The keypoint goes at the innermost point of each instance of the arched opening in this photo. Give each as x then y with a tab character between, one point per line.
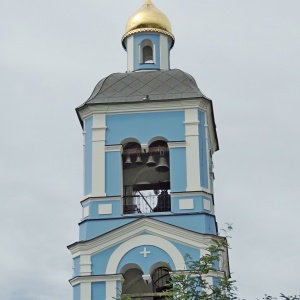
147	52
147	55
137	286
161	281
134	285
146	178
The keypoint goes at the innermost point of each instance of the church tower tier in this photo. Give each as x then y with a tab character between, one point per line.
149	138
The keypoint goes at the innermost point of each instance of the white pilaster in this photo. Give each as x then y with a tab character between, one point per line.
85	265
111	290
130	53
192	149
98	155
85	291
207	155
164	52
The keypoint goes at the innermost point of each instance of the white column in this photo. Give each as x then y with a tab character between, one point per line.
210	188
98	155
164	52
130	53
111	290
192	149
85	291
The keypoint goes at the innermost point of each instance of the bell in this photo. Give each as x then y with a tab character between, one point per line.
151	162
138	160
162	165
128	161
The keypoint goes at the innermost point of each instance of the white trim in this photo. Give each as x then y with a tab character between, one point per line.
149	106
85	265
192	149
202	192
172	145
105	209
130	53
186	204
86	212
85	290
99	199
114	148
96	278
206	204
164	52
141	240
151	226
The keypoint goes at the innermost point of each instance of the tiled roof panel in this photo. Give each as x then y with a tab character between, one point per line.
133	87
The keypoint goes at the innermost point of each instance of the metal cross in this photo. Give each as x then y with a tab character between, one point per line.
145	252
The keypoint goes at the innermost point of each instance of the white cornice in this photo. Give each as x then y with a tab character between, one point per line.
99	199
116	148
192	194
97	278
167	105
136	228
176	145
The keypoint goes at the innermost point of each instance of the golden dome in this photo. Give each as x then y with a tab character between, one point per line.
148	18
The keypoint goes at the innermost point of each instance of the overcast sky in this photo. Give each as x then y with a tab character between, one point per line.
244	55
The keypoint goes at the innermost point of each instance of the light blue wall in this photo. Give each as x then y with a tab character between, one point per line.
92	228
77	266
202	223
76	292
98	290
156	255
205	223
88	124
184	250
203	151
100	260
137	41
113	173
178	169
145	126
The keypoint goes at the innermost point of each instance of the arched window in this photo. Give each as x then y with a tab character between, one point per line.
147	55
147	52
146	178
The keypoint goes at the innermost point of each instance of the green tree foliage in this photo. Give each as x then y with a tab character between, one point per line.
193	284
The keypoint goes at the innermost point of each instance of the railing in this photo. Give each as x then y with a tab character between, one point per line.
142	202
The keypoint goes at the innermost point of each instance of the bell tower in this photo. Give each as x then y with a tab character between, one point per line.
149	138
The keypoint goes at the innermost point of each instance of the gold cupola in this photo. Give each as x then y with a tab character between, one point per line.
148	19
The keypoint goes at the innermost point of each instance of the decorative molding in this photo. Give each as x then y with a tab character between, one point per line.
114	148
172	145
149	106
192	193
186	203
86	211
99	199
95	278
105	209
206	204
133	229
141	240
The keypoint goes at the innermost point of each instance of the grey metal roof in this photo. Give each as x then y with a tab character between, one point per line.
135	86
